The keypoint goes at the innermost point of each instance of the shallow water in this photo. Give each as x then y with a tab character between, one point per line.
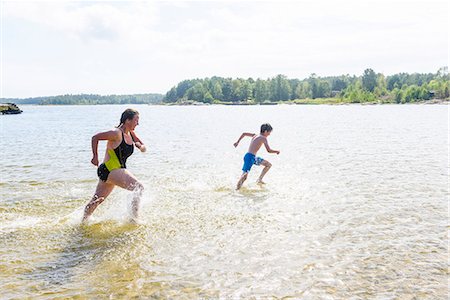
355	206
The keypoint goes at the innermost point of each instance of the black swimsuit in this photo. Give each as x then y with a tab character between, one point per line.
117	159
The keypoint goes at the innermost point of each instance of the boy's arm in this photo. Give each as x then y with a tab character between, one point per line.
242	136
266	144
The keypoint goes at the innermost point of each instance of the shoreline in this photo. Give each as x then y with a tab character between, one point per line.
328	101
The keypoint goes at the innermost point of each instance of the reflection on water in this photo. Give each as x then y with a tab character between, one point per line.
354	206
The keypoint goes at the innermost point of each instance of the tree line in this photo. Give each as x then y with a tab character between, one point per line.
89	99
368	87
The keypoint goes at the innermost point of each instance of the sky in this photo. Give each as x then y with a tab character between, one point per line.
129	47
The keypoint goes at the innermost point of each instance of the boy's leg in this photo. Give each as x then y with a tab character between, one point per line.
241	180
267	166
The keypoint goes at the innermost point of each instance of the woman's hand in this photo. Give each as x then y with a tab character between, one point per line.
94	160
141	146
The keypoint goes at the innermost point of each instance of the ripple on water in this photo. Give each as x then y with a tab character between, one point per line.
348	212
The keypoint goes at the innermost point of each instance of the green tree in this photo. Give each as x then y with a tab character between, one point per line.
397	95
303	90
280	88
197	92
369	80
237	94
227	90
247	89
216	91
338	84
323	89
171	96
313	84
261	91
381	87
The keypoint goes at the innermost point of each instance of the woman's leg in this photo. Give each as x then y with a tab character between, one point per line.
102	191
126	180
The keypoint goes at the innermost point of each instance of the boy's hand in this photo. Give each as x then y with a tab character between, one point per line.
235	144
278	152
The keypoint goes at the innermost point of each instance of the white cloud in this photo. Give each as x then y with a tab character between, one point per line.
96	20
127	47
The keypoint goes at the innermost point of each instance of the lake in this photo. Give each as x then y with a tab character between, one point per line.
354	207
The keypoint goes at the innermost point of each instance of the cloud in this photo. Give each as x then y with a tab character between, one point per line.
87	21
126	47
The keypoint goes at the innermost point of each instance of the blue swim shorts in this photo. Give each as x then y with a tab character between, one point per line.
249	161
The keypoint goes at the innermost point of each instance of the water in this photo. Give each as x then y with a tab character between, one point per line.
355	206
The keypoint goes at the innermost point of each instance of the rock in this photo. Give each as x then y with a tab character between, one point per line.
9	109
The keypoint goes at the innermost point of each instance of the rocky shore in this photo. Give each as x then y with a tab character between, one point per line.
9	109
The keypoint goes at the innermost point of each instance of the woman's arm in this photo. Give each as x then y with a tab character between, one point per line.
107	135
137	141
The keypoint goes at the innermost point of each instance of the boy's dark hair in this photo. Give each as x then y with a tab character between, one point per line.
266	127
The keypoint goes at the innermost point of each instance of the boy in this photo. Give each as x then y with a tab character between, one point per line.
250	158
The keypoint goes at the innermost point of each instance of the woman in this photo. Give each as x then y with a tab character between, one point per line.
113	170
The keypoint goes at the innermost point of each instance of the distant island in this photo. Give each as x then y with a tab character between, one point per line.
89	99
368	88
